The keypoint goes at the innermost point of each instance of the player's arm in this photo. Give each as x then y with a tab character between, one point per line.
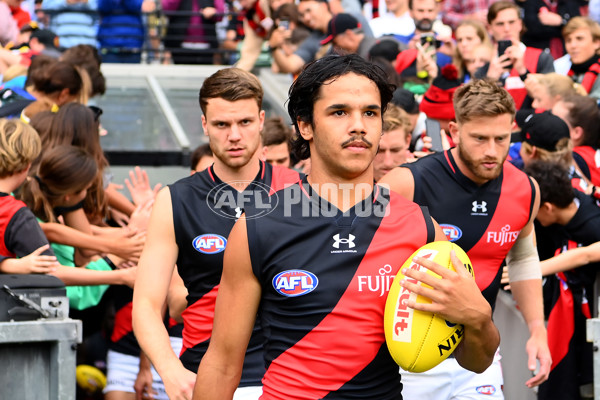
571	259
525	279
457	298
177	297
235	311
154	274
401	181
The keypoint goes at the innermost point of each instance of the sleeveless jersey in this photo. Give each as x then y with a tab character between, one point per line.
588	160
325	277
204	211
484	221
122	338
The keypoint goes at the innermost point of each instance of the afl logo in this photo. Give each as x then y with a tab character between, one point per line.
295	282
209	243
487	390
453	233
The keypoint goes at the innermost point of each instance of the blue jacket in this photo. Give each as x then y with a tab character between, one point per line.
121	24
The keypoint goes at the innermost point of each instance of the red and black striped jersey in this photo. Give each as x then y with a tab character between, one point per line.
325	275
484	220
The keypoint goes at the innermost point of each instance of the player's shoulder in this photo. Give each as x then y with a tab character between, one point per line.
279	177
515	175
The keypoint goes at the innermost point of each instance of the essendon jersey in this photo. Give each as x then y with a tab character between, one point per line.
325	276
484	220
204	211
588	160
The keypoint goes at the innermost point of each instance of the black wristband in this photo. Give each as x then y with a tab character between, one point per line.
524	76
109	262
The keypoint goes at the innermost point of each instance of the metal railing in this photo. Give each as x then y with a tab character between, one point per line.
183	36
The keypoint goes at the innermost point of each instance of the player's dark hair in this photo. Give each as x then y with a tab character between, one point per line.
306	90
553	179
201	151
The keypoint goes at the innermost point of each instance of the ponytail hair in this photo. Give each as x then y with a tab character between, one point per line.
56	77
62	170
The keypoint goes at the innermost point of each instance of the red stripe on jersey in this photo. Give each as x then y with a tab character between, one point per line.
589	155
511	215
353	330
123	324
282	177
198	320
561	324
448	160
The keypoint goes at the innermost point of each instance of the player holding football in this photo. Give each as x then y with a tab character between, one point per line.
303	262
487	206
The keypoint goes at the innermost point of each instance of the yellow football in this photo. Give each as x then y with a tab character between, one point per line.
418	340
90	378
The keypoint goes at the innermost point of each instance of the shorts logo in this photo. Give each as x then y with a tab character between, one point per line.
347	241
486	389
295	282
452	232
209	243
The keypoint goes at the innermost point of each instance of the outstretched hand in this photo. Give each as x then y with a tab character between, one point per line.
139	186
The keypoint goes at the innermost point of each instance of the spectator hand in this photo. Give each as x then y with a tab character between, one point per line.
209	12
426	62
498	66
139	186
532	84
148	6
138	222
33	263
549	18
516	57
129	246
117	216
504	279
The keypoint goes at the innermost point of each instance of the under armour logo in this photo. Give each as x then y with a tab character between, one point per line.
349	241
481	207
238	212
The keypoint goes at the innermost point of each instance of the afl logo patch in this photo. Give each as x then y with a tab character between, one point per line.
487	390
209	243
295	282
453	233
